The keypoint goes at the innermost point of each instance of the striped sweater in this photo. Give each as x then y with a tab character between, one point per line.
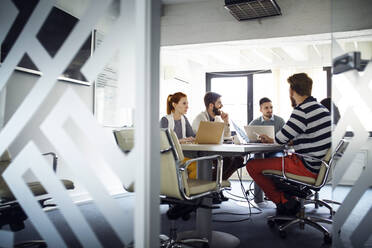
310	129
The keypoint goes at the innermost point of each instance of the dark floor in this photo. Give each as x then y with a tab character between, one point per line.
251	229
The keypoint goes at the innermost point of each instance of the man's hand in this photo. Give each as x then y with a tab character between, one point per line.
225	117
266	139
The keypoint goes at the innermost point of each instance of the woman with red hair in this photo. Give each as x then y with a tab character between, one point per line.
177	106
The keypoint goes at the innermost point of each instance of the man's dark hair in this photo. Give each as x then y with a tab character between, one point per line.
301	83
210	97
263	100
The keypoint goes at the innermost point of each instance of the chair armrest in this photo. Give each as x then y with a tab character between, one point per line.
305	156
212	157
55	159
188	162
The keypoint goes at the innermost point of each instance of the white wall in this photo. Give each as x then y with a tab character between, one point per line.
193	85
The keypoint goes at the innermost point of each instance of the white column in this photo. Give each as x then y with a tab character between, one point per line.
147	184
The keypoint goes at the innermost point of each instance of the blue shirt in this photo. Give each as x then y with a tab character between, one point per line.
275	121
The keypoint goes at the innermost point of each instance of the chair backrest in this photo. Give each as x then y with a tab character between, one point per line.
180	159
171	157
125	139
170	177
177	146
5	160
5	157
325	174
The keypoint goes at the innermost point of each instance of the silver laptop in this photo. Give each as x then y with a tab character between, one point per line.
254	132
240	133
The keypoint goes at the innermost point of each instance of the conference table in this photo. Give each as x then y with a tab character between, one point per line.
204	215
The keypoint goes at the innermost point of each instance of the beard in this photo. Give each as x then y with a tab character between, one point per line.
216	111
293	102
268	116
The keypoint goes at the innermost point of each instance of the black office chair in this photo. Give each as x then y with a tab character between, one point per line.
304	188
11	213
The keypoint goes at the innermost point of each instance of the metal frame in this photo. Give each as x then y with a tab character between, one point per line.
180	168
327	165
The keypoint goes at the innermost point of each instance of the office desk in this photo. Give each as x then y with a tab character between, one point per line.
230	149
204	216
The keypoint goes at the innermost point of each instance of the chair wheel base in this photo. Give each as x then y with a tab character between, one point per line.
186	217
271	223
283	234
327	239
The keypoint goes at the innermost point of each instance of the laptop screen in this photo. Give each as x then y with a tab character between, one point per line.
209	132
240	132
254	131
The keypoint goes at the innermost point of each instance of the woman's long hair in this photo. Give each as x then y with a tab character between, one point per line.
175	98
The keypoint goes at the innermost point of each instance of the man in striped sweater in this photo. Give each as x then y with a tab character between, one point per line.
309	130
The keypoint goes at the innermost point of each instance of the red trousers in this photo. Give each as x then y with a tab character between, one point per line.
292	164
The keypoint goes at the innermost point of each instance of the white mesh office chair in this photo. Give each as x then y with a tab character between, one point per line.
303	188
326	202
125	139
183	194
180	192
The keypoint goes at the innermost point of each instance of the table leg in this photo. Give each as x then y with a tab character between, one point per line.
258	193
204	216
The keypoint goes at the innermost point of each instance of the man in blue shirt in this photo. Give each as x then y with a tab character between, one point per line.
267	118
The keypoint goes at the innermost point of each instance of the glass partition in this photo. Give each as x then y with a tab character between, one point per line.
47	117
351	93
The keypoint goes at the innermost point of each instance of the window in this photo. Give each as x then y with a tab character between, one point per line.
264	86
234	97
241	91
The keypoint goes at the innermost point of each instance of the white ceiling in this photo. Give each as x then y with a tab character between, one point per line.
302	51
